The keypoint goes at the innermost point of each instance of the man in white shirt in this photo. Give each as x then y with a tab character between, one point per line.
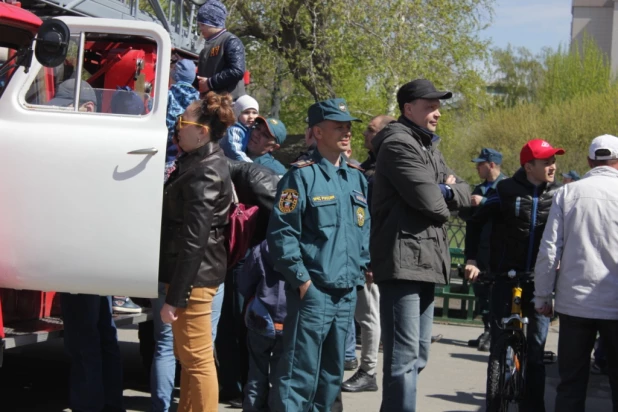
581	237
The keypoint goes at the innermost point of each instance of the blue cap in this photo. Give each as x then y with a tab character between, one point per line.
489	155
331	109
213	13
572	175
126	101
184	71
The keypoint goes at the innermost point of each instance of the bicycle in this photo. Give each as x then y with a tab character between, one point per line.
506	374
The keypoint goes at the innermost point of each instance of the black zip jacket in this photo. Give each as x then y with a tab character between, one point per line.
519	211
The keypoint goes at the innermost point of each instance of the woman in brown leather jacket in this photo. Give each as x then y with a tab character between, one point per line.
196	204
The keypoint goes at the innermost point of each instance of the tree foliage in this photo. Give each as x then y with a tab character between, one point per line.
362	50
517	76
581	70
573	100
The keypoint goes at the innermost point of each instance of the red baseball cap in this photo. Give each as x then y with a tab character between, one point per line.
537	149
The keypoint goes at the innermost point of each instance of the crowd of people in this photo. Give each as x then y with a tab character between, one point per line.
337	242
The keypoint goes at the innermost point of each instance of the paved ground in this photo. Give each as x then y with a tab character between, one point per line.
34	379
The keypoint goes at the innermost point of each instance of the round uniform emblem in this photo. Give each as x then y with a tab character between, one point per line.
288	200
360	216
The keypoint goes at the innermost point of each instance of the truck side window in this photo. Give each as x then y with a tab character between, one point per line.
117	74
47	80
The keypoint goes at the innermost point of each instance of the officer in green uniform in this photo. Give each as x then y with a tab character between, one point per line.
319	236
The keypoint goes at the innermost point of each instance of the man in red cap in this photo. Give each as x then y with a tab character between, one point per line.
519	210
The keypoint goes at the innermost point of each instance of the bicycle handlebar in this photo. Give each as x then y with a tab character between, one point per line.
511	276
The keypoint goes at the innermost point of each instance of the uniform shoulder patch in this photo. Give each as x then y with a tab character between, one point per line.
353	166
303	163
288	200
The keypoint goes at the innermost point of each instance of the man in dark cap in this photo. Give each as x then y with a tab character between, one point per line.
414	193
266	137
221	67
488	166
319	231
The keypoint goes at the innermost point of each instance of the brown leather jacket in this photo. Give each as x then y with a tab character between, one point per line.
196	204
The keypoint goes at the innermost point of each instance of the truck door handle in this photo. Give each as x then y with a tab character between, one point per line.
148	151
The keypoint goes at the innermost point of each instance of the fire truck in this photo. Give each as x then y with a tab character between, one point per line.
81	193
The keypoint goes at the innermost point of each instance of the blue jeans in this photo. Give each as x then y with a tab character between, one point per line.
264	354
406	317
91	341
163	369
350	343
538	327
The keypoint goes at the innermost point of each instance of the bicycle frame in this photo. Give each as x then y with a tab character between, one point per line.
513	378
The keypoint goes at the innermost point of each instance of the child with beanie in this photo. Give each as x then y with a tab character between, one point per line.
180	95
234	143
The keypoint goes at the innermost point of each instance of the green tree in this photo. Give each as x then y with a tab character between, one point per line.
581	70
407	39
518	75
393	41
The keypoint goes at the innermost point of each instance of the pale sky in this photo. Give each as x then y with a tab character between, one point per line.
533	24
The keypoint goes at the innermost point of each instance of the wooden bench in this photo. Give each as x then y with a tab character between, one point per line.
463	291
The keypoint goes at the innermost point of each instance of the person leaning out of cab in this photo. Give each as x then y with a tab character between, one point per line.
196	203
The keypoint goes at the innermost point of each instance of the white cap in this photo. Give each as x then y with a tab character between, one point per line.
608	143
243	103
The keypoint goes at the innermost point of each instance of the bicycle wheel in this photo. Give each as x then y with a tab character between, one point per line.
505	375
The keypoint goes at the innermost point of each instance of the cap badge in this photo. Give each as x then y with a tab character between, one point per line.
342	107
544	144
273	121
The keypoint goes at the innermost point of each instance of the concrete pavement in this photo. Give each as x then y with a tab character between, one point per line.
35	378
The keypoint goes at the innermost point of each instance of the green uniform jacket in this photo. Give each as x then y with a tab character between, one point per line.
319	227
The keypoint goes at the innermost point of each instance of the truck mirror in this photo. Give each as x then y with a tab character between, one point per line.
52	43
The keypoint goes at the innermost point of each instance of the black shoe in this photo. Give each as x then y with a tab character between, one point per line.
361	381
597	369
474	343
436	338
235	403
351	364
485	343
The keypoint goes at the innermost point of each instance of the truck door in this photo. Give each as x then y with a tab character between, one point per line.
81	192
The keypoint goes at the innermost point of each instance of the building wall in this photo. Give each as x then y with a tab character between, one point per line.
599	19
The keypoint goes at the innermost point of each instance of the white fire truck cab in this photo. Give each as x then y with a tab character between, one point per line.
80	196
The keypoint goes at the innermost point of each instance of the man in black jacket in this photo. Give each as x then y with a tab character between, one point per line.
519	211
488	166
414	192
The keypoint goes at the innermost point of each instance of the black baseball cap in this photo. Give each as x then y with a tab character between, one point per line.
419	89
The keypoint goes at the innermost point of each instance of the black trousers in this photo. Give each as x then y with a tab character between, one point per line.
575	343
